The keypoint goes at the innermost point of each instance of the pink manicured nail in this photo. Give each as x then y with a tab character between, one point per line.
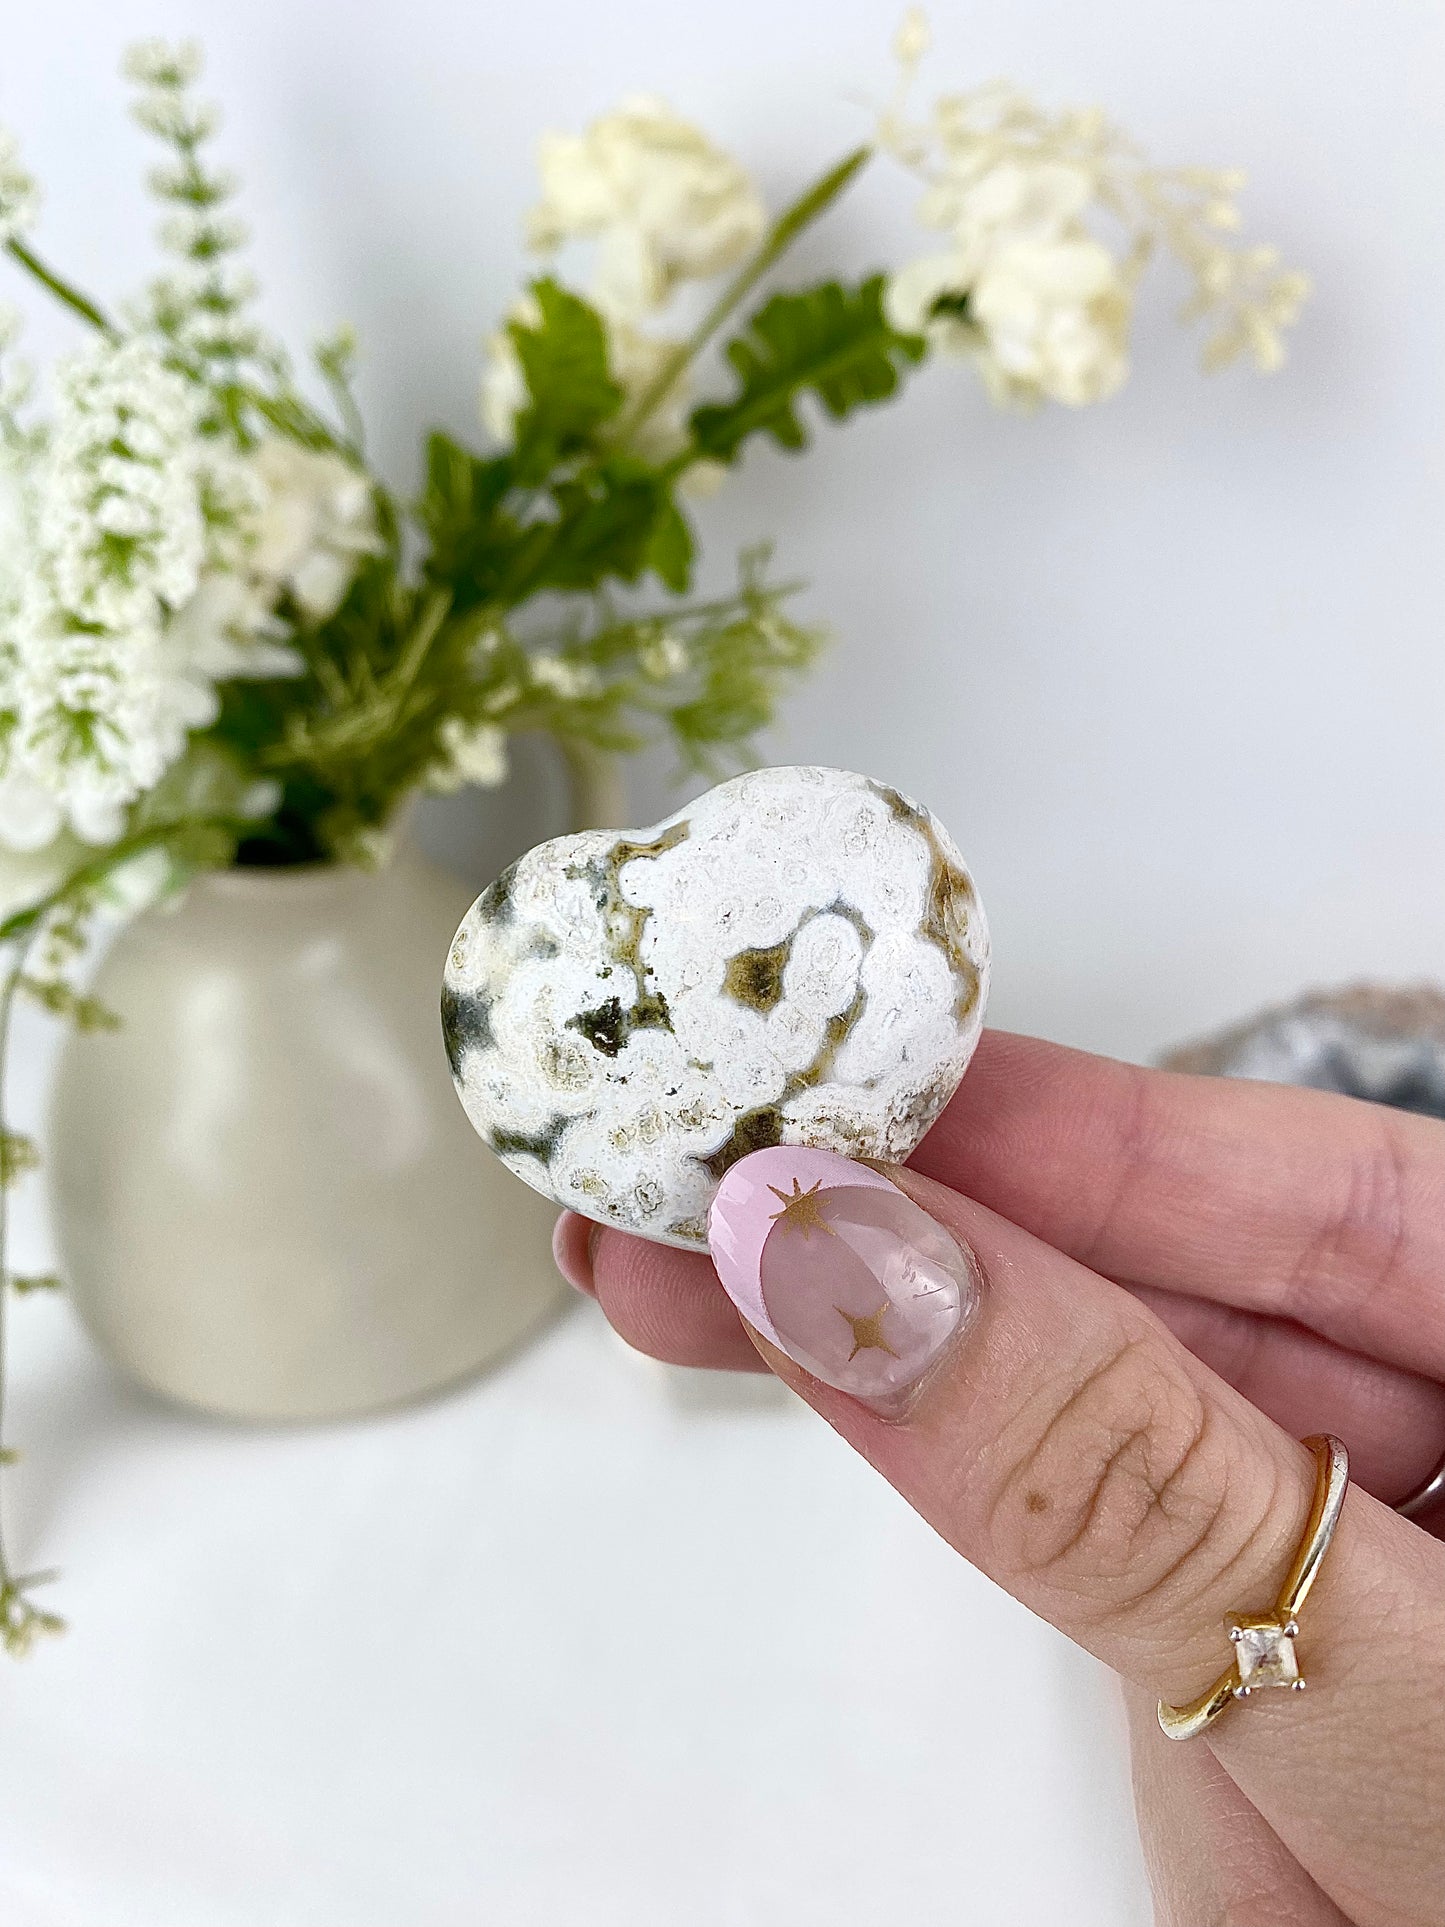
839	1269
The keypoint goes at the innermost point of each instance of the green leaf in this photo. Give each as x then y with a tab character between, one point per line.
830	341
36	1281
460	509
18	1154
607	520
564	363
63	1000
670	548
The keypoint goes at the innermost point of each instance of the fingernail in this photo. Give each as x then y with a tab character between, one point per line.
572	1251
832	1263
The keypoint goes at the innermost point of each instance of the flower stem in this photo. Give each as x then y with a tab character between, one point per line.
20	1619
21	922
286	410
815	201
62	290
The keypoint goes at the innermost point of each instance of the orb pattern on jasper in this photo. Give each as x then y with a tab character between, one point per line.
797	957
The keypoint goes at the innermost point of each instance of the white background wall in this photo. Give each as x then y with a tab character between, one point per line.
1172	669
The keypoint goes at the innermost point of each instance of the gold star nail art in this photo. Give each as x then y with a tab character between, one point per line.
868	1332
803	1210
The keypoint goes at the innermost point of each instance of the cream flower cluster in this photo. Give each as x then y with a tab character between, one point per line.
1025	290
475	753
664	206
1050	219
144	562
298	521
96	703
147	552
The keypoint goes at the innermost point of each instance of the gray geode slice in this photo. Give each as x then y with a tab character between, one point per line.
1366	1040
798	957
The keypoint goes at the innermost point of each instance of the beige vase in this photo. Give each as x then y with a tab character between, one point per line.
268	1200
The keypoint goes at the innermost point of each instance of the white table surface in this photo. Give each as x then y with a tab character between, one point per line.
588	1642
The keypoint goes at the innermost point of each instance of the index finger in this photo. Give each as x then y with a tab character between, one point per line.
1327	1210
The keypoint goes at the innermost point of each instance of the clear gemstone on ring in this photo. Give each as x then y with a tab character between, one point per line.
1264	1654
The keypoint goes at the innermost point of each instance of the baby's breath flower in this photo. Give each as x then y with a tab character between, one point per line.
282	522
19	192
317	519
199	306
504	697
569	680
174	118
200	232
913	38
162	63
120	523
1040	305
662	656
1029	285
474	753
663	203
16	382
97	699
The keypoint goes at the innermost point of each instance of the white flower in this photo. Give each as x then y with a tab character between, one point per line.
283	521
913	38
227	630
662	656
663	203
505	697
928	297
160	63
1028	284
19	193
317	519
504	385
569	680
1040	305
108	537
475	753
634	361
120	525
1055	320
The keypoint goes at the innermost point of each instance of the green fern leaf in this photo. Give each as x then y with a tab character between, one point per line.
830	341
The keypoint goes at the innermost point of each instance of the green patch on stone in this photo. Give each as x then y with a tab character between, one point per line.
948	904
466	1024
756	1130
541	1145
755	977
608	1026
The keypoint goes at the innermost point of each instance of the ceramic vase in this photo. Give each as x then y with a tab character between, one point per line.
268	1201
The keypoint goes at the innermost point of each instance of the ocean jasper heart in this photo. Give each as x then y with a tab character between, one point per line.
798	957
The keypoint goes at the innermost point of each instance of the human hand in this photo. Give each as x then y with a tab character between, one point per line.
1157	1284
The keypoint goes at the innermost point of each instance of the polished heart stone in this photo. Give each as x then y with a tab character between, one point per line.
797	957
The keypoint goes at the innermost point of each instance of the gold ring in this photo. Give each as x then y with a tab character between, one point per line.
1425	1497
1264	1653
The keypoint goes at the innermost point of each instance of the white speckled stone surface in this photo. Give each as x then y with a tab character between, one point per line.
797	957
